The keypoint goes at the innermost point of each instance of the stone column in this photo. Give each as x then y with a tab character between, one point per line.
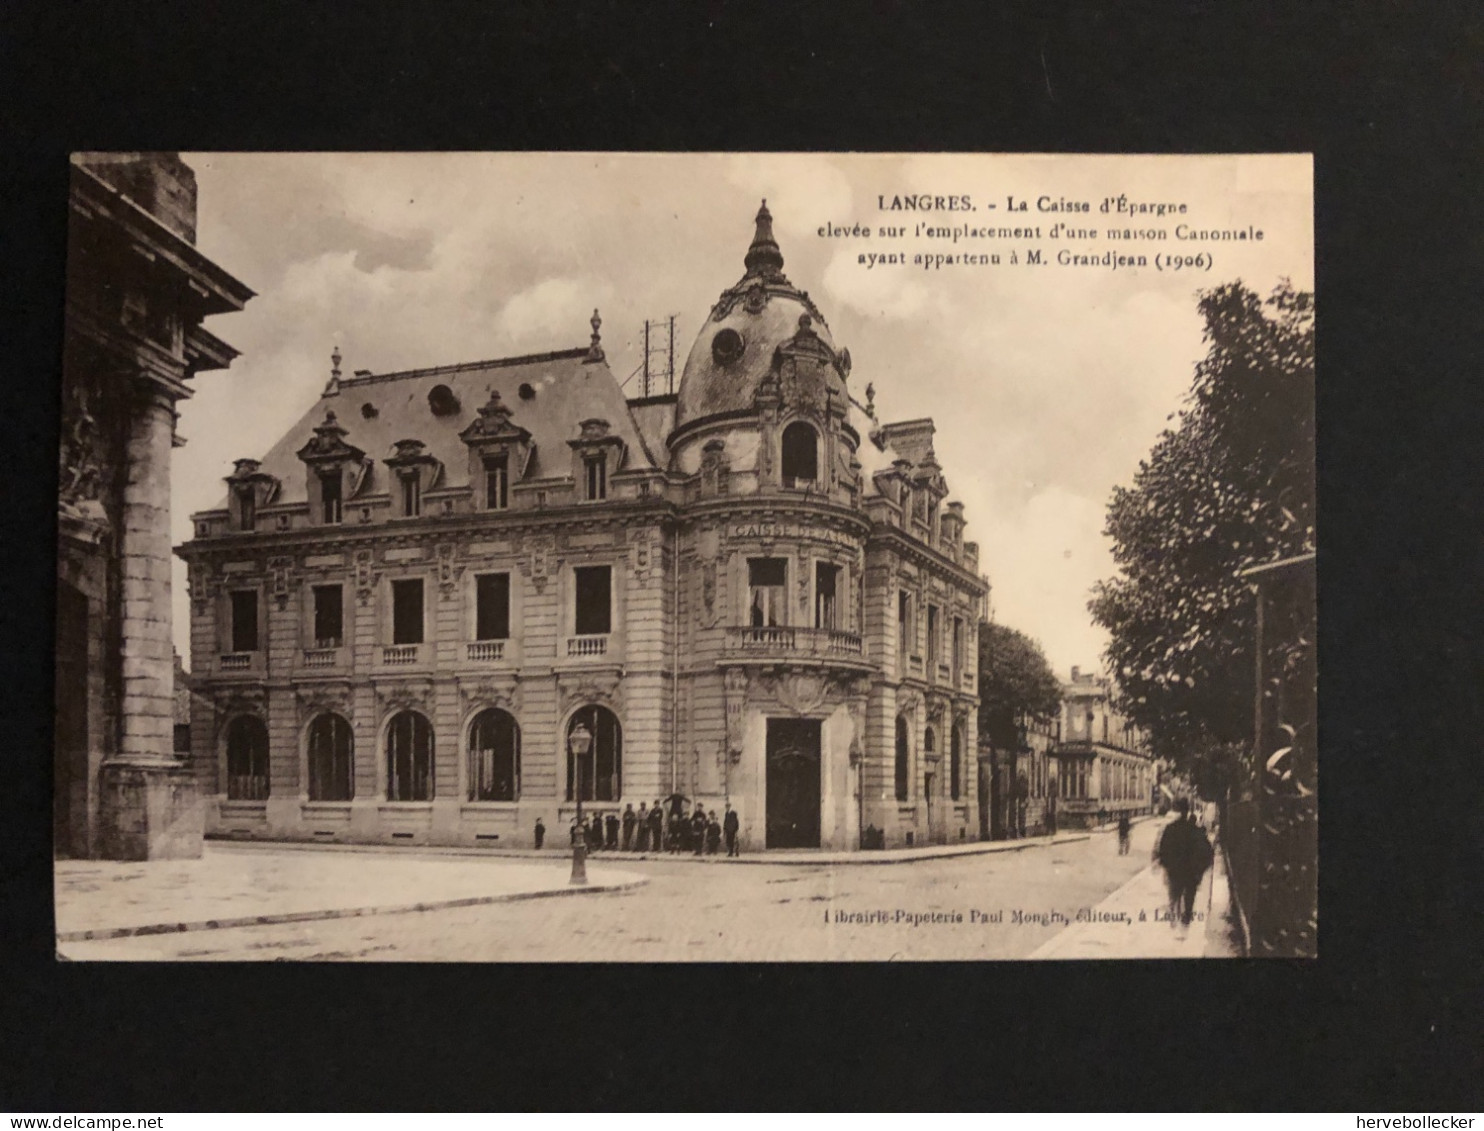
151	806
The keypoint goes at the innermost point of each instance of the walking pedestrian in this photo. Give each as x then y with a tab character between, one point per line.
540	833
729	825
629	821
611	823
1184	853
641	829
595	833
698	830
713	834
1124	829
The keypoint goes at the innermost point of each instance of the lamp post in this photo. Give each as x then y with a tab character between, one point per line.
579	742
1053	771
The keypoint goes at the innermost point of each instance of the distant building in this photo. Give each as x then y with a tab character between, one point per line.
1102	759
137	292
452	600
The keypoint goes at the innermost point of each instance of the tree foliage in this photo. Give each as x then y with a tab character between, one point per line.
1231	486
1015	682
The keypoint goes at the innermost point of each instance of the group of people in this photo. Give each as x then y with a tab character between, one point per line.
656	829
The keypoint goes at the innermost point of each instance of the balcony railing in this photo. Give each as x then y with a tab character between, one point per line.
236	661
587	646
320	657
784	640
395	655
486	650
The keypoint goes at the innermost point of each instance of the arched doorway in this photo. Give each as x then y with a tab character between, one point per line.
247	759
331	759
409	758
600	770
494	756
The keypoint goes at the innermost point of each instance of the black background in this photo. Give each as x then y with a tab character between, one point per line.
1386	97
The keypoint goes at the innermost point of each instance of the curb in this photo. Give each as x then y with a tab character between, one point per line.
99	933
868	856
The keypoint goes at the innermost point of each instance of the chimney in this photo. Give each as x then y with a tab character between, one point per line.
1075	672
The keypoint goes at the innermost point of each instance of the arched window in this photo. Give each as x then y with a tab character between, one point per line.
903	773
800	452
330	759
494	756
600	770
955	767
247	759
409	758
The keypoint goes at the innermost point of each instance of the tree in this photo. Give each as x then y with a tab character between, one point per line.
1015	683
1230	487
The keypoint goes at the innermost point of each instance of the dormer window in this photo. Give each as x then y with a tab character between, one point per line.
330	493
412	496
800	454
497	482
596	474
249	489
247	508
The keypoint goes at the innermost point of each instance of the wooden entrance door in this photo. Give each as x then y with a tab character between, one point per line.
793	783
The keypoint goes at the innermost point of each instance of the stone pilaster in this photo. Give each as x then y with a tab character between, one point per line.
151	806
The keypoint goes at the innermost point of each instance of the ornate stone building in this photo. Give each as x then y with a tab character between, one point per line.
137	292
1103	760
749	591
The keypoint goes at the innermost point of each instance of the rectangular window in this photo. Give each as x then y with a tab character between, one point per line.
765	584
934	646
594	611
329	626
958	646
497	483
407	611
244	620
904	621
492	606
412	496
329	493
247	508
826	581
597	478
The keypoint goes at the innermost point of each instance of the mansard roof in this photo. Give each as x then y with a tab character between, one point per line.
562	389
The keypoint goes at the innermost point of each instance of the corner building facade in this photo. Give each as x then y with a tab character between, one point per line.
748	592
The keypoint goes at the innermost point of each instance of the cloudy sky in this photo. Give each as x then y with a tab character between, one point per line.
1048	384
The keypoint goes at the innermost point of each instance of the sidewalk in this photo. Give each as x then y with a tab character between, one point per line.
1115	929
228	887
812	857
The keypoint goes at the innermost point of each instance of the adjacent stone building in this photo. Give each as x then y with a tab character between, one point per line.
137	292
1103	762
451	600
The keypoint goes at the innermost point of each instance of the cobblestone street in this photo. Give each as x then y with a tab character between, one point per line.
709	911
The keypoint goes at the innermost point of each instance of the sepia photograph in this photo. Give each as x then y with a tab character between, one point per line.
686	557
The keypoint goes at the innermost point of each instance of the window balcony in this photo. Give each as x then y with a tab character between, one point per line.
784	642
945	674
400	655
485	651
321	657
587	647
236	662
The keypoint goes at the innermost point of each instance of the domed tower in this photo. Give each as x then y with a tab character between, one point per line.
765	378
771	541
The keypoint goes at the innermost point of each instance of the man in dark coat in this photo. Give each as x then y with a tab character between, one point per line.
1124	828
698	830
629	821
540	833
729	825
713	834
1184	853
641	829
612	823
657	827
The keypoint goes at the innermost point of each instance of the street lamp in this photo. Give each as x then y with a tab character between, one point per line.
579	742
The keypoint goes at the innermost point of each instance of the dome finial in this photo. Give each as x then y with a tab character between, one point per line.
595	349
335	362
764	257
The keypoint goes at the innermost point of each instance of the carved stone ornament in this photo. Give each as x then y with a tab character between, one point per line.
448	572
643	552
909	701
708	593
80	463
802	692
577	688
405	695
503	692
283	581
324	698
365	577
241	701
735	681
542	550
